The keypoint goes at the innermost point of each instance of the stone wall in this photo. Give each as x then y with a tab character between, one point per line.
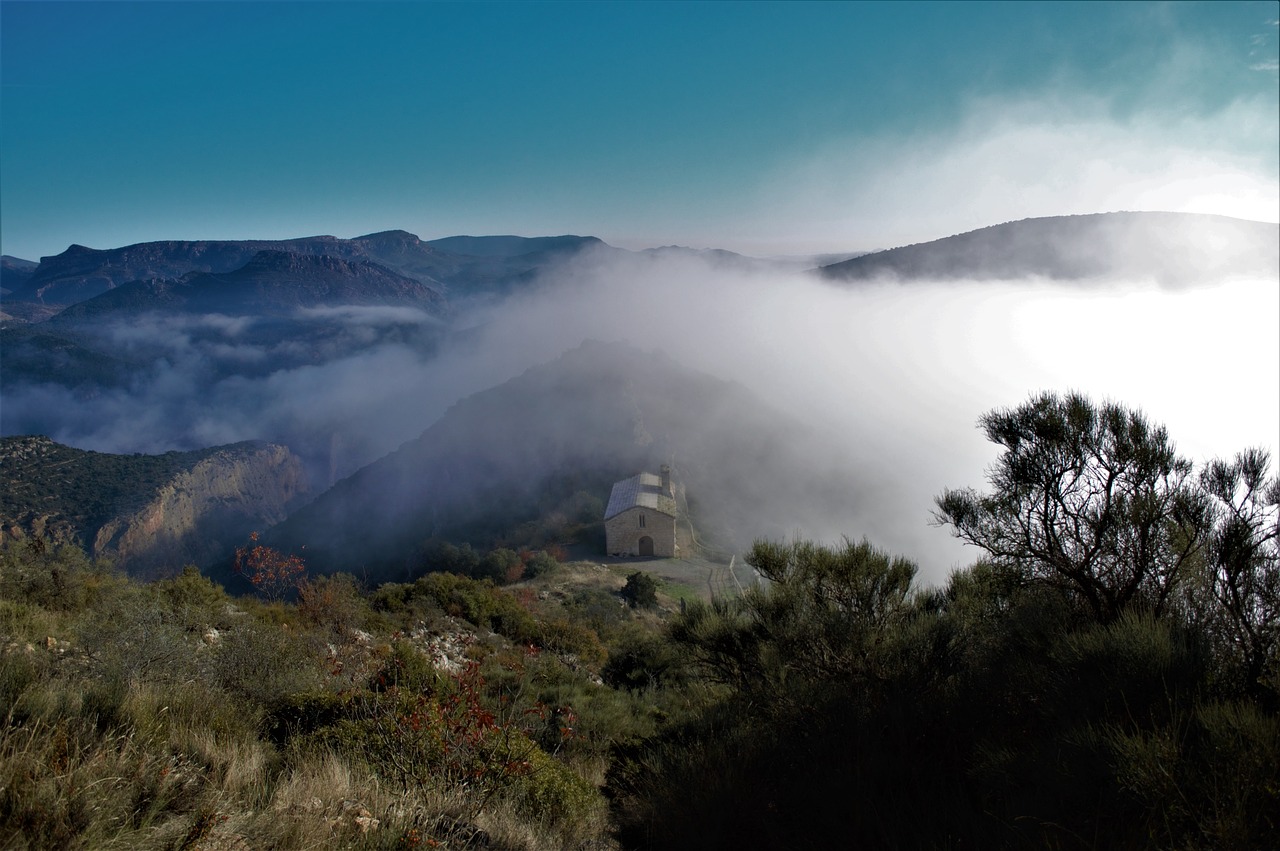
623	532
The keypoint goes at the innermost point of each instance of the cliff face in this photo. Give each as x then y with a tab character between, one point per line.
151	514
204	512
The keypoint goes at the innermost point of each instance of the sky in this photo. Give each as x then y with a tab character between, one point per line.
765	128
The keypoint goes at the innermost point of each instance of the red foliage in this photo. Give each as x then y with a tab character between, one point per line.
270	571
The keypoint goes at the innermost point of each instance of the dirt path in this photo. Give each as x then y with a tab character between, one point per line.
705	577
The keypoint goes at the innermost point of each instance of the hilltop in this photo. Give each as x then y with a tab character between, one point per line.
1173	249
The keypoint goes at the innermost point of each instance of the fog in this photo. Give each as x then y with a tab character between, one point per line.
1058	153
891	376
896	376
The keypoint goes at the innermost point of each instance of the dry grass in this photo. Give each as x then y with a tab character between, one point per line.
133	729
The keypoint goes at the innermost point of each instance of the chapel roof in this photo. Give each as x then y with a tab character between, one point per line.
643	490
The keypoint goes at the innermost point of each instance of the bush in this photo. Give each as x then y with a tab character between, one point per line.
541	564
262	663
555	796
333	602
501	565
638	660
641	590
194	600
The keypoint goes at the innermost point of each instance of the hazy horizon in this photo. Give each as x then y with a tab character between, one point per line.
762	128
767	129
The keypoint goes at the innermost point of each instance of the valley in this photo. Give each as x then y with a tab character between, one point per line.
302	543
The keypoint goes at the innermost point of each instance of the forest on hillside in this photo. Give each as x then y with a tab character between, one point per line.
1105	675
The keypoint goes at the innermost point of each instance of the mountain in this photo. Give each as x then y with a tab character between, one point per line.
14	272
293	308
1173	249
145	512
559	435
461	265
514	246
80	273
271	283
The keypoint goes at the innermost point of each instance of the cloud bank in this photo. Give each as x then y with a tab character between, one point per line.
893	377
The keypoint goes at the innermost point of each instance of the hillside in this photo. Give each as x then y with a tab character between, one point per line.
146	512
553	440
1172	249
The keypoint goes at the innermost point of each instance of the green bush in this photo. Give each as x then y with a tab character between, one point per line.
639	659
541	564
261	663
641	590
555	796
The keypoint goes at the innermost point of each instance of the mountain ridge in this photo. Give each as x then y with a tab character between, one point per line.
80	273
270	282
1174	249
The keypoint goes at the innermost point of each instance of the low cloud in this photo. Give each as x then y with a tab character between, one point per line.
892	377
896	376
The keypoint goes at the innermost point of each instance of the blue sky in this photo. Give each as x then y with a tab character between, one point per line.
759	127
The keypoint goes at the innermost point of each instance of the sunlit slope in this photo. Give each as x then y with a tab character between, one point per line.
147	513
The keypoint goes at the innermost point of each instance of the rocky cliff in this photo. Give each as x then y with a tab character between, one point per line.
151	514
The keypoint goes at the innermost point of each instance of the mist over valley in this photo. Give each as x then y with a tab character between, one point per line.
483	373
629	426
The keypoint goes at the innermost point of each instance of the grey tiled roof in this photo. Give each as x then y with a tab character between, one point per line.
643	489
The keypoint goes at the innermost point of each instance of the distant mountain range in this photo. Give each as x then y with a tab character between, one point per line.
271	283
107	331
1172	249
455	265
63	319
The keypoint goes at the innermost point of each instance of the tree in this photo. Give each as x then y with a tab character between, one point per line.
1244	562
1089	498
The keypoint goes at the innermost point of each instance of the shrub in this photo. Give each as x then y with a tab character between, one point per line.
554	795
639	659
262	663
541	563
501	565
641	590
332	601
194	600
270	571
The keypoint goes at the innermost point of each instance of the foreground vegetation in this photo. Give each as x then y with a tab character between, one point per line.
1107	675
